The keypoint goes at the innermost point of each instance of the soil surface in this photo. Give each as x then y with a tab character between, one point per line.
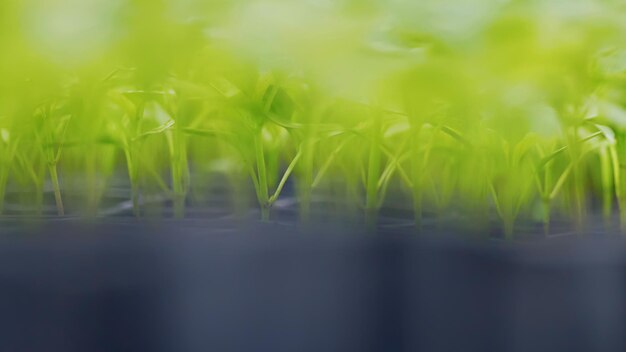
221	280
222	284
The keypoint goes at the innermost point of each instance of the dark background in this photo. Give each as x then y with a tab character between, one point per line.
219	286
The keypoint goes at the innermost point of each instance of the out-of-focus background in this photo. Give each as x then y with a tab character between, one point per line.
349	47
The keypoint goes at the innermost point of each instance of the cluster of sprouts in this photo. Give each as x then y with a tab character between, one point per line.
517	112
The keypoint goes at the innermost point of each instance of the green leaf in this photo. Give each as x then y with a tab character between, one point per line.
166	126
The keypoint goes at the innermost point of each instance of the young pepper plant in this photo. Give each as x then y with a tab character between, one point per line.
8	150
30	170
550	180
420	137
263	101
611	124
132	129
86	146
53	120
251	131
380	160
512	180
181	112
375	173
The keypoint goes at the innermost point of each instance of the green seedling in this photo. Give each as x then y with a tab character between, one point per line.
134	128
511	185
257	119
550	180
8	149
53	120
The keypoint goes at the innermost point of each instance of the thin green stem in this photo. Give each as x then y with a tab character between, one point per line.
306	183
263	191
607	182
547	197
417	167
133	177
179	170
547	215
577	181
322	171
130	152
505	212
92	182
373	174
286	175
4	175
57	189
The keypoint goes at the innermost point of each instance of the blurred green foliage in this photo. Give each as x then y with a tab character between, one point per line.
513	108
